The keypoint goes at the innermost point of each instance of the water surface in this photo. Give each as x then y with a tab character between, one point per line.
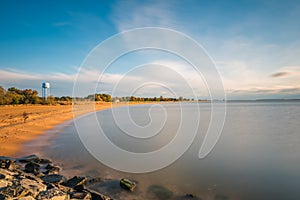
257	156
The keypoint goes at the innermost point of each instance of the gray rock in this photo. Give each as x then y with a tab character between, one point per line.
53	178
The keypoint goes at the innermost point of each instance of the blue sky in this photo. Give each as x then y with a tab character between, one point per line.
255	45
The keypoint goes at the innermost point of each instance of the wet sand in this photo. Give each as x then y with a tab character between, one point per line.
14	131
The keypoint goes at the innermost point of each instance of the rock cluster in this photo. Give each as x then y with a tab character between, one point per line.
34	178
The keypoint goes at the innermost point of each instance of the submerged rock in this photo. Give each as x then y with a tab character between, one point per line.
127	184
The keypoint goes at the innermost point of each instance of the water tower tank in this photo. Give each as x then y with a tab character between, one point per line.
46	85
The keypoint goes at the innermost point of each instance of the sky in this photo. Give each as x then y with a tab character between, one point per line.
254	46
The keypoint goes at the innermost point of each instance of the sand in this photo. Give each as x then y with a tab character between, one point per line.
14	131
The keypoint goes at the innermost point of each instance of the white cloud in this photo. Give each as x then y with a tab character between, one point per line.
137	15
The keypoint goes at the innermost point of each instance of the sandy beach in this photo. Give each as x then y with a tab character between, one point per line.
14	131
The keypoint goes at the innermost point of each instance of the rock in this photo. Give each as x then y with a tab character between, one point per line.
6	164
94	180
6	174
30	158
4	197
5	183
81	195
98	196
23	175
52	169
189	196
50	186
32	167
127	184
16	191
33	186
75	182
6	158
53	178
44	161
53	194
65	188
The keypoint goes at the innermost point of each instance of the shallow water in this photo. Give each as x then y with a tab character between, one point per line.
256	157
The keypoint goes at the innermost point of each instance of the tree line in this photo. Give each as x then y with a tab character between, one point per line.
14	96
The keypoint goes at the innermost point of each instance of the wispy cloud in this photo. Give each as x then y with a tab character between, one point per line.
137	15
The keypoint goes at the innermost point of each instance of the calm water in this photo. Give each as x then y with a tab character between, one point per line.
256	157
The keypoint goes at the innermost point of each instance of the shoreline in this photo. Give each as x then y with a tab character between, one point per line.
14	132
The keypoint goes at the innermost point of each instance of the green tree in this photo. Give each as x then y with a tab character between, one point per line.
2	96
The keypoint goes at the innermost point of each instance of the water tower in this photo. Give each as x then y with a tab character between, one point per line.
45	87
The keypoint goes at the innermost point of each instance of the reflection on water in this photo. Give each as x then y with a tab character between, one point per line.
257	156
